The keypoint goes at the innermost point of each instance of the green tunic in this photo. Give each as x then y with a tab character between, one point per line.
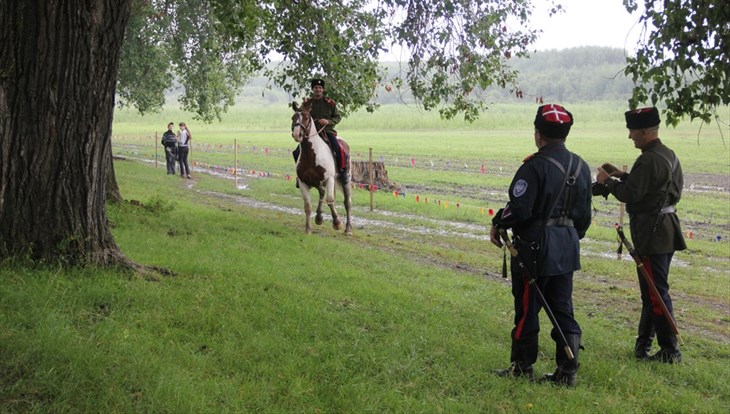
650	191
324	108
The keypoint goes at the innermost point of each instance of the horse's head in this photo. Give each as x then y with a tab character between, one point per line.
301	123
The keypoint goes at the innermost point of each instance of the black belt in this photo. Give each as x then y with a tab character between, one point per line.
554	222
664	210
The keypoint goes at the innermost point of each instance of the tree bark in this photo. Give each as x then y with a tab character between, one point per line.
113	195
58	71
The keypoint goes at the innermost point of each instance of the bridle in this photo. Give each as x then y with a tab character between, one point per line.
304	128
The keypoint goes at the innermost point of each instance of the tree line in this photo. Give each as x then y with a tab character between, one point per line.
581	74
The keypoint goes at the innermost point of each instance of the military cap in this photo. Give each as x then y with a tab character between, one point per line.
642	118
316	82
553	121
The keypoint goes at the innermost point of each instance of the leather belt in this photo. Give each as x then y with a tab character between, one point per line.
664	210
555	222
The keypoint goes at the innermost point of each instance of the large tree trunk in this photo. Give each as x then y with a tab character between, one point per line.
58	71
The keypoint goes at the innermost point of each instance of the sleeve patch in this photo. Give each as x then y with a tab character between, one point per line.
520	188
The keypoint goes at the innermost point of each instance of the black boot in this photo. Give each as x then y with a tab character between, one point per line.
567	369
524	354
297	183
344	176
645	334
669	352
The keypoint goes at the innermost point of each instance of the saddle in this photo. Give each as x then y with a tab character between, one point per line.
342	151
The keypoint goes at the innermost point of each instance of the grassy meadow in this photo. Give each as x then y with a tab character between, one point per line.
410	314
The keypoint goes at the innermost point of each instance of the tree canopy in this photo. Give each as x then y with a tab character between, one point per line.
453	49
683	57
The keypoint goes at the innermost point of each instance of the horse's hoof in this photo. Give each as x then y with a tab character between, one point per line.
318	220
348	232
337	225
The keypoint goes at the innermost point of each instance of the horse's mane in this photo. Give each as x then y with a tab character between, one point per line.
295	106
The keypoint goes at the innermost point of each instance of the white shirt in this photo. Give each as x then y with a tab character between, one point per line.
183	138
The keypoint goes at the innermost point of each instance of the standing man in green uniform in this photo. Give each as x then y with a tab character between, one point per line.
651	192
325	114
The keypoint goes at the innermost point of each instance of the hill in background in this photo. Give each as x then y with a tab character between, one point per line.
572	75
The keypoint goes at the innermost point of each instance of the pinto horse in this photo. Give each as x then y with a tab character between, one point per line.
316	169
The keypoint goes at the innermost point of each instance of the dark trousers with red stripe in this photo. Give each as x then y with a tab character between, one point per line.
558	292
657	266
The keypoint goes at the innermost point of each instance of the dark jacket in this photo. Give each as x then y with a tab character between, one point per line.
169	139
533	193
654	183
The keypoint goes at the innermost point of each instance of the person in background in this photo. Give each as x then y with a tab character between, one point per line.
549	211
651	191
183	149
169	141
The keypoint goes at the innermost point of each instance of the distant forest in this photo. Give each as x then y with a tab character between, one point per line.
568	76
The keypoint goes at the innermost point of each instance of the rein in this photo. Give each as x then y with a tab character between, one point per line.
306	127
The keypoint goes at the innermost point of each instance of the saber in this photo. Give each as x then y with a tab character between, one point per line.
645	275
513	252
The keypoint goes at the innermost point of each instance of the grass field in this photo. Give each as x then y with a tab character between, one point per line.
410	314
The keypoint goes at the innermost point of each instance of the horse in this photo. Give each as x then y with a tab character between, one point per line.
316	169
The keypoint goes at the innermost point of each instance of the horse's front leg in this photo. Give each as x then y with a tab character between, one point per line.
330	200
318	219
346	190
307	207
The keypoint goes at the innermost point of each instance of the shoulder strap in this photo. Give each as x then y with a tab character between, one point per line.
568	182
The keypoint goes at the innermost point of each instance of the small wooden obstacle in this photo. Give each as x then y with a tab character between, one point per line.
360	174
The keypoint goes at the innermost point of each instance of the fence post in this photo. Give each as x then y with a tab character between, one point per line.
370	177
156	151
235	163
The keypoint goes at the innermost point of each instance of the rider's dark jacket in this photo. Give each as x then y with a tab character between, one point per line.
324	108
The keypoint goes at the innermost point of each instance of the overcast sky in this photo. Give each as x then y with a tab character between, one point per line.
583	23
586	23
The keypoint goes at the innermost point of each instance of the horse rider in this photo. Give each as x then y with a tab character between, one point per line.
325	114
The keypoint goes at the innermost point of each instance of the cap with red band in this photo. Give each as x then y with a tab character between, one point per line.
553	121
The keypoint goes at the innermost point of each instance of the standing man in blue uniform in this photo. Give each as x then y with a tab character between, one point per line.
549	211
651	192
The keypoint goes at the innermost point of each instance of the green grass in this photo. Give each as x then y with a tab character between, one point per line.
263	318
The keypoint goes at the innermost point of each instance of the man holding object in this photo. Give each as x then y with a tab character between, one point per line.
651	192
